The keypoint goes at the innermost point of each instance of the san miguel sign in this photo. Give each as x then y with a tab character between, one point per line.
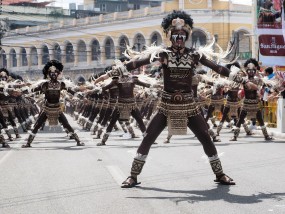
271	45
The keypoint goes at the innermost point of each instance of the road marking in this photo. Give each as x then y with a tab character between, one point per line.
117	174
17	141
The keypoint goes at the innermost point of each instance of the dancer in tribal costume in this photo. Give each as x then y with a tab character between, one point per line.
126	106
112	94
232	105
4	127
177	108
51	87
7	100
250	107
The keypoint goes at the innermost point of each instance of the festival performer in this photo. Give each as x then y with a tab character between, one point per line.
177	108
51	109
232	105
126	106
8	104
250	107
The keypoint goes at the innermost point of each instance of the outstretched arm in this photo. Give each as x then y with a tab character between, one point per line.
234	76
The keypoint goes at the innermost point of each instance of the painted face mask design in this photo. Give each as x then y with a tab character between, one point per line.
53	72
3	76
175	37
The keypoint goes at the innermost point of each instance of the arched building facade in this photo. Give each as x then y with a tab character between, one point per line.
93	43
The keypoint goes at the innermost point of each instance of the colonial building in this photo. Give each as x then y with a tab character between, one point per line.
90	44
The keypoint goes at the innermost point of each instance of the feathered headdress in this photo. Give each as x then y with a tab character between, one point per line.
177	20
251	63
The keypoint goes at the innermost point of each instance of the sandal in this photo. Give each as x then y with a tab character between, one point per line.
215	140
5	145
268	138
228	181
80	144
128	184
26	145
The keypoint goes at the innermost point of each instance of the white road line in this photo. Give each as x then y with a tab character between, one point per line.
17	142
117	174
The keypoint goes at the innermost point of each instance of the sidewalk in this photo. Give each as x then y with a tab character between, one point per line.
272	132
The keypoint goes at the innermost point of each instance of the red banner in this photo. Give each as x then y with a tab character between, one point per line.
271	45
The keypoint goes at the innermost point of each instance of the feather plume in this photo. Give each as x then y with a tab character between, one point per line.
219	56
152	51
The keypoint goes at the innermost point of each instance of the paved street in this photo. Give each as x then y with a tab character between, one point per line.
55	176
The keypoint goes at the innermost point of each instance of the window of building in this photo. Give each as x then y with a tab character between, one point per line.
103	7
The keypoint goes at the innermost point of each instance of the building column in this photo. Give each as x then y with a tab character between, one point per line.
117	52
63	55
102	55
18	61
40	60
89	55
75	51
8	61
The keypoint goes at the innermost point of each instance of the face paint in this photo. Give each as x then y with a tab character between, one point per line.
251	72
53	72
175	37
3	76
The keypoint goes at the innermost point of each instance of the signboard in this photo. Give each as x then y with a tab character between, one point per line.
271	45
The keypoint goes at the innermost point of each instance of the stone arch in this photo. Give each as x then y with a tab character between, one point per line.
199	37
82	51
156	38
95	50
109	48
243	44
57	52
122	44
13	58
69	52
34	56
45	54
139	42
23	57
3	59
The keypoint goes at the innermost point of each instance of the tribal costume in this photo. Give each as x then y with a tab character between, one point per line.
7	101
112	94
232	106
250	107
177	108
51	109
200	103
126	106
